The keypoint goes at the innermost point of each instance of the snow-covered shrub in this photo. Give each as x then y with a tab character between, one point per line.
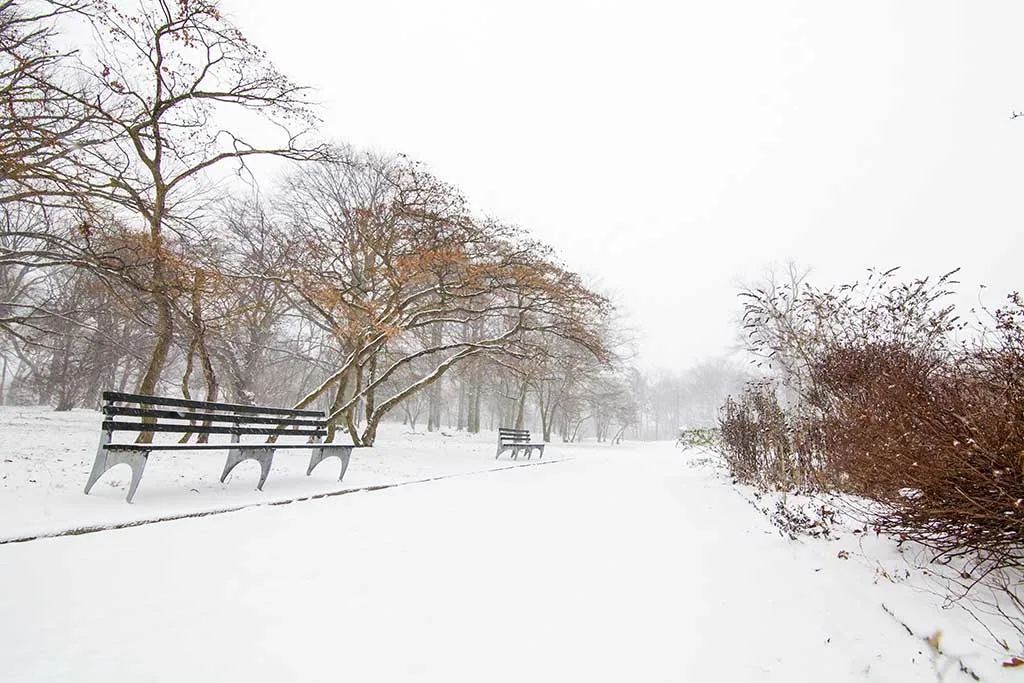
764	444
884	400
704	439
938	440
803	518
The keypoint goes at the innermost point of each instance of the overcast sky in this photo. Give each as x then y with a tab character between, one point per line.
670	149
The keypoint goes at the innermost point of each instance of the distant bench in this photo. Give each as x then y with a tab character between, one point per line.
517	440
165	415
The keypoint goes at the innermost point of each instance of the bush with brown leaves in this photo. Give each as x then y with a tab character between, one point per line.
764	444
886	404
937	441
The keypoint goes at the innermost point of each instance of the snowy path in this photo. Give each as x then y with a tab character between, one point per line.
625	567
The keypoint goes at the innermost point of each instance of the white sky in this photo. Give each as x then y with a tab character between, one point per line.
670	149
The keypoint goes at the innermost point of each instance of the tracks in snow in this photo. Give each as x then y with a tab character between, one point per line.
96	528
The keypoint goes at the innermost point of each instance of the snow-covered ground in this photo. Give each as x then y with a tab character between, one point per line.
634	563
45	458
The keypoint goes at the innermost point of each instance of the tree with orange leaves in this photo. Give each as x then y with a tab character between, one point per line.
390	261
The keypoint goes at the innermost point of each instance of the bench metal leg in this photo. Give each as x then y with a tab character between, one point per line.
263	455
105	460
321	454
516	451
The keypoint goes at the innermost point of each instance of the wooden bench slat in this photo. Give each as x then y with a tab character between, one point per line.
218	447
206	405
111	425
209	417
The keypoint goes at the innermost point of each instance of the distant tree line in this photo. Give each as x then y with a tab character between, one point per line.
144	247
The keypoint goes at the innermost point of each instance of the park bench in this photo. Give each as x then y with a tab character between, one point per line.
136	413
517	440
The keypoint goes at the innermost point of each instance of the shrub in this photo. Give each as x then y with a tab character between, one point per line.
938	442
884	403
763	444
706	439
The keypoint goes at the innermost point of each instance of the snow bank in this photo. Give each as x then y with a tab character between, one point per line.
45	459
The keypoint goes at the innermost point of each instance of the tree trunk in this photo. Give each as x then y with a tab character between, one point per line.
185	379
339	400
158	358
164	330
409	417
212	388
618	435
60	370
434	409
122	385
350	424
370	432
521	407
576	430
350	413
460	420
475	391
546	424
369	404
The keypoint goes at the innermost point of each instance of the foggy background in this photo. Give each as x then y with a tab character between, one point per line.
672	151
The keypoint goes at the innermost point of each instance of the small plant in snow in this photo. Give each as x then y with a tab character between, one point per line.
794	520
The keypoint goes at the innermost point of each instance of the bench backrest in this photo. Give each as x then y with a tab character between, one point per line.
506	435
183	416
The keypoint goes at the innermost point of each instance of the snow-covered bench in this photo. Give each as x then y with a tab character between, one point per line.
517	440
136	413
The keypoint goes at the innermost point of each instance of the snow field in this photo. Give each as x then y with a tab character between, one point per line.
45	458
620	564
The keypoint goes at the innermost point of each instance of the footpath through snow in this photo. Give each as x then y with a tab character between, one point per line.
627	566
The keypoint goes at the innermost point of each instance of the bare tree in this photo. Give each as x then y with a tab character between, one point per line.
163	81
46	126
